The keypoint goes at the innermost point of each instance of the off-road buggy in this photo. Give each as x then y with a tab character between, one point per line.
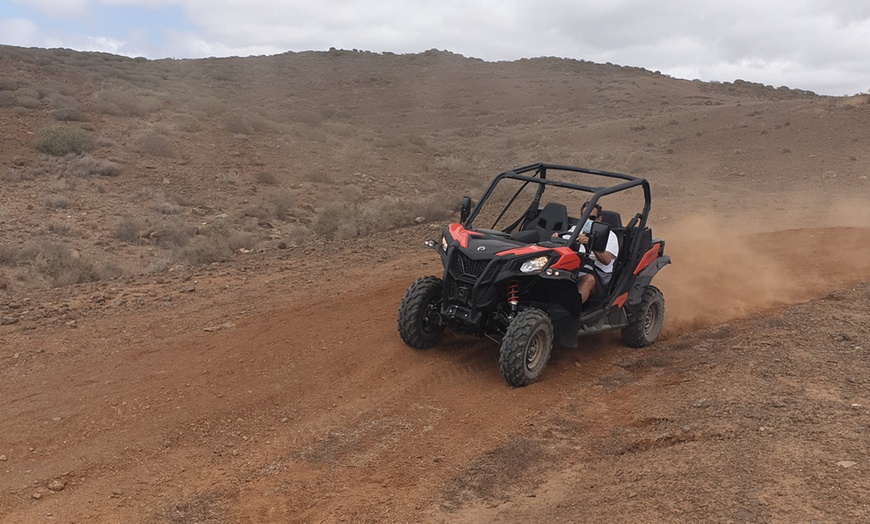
515	282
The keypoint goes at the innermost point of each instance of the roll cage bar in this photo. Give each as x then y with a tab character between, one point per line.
539	177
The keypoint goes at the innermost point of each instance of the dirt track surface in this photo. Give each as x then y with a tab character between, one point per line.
253	400
237	359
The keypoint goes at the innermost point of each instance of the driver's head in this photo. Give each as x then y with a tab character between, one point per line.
595	214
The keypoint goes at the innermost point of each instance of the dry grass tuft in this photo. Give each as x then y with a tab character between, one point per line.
56	202
68	114
63	140
53	264
155	145
117	102
85	166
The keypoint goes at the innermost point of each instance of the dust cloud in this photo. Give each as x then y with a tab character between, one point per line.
724	269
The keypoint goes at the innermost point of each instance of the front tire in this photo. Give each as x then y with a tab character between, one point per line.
420	313
646	323
526	347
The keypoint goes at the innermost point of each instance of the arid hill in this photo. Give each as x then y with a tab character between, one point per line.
201	260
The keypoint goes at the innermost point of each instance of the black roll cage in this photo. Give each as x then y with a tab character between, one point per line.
540	177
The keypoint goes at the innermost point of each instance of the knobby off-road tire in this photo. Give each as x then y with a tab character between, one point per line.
526	347
646	324
419	313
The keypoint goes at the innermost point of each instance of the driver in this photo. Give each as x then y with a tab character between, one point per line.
602	260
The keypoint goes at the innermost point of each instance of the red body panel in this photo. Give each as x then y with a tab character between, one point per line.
460	234
620	300
648	257
527	250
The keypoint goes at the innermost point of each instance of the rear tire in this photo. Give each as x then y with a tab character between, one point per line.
646	323
420	313
526	347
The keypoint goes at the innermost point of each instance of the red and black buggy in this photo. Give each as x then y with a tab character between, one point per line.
507	277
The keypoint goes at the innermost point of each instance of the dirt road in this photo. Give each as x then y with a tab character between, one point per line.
236	395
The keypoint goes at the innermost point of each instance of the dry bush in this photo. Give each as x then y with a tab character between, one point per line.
54	264
59	229
329	219
116	102
164	205
156	145
127	229
56	202
186	123
265	178
68	114
8	84
350	219
7	99
215	243
27	102
84	166
208	106
257	211
297	234
283	201
63	140
174	233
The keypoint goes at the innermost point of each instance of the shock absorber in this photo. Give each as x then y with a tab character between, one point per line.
513	294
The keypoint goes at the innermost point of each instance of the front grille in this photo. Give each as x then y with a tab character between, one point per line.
465	268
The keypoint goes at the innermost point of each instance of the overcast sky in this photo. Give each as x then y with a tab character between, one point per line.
820	45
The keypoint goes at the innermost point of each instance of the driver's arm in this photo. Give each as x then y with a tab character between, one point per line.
603	256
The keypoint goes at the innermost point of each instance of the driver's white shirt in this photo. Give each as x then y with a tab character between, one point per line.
612	248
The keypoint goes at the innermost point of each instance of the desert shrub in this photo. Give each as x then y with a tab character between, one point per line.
8	254
329	219
126	229
68	114
186	123
350	219
55	90
163	205
59	229
7	99
8	84
63	140
55	264
116	102
155	145
256	211
56	202
86	165
283	202
27	102
265	178
215	243
174	233
297	234
209	106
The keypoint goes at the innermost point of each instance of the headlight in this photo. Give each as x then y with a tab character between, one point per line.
444	243
534	265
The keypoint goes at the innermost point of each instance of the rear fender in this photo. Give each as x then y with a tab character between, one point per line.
644	278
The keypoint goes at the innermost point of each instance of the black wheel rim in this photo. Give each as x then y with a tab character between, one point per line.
430	319
535	350
650	319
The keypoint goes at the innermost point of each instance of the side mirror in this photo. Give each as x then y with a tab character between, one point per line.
599	235
464	209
